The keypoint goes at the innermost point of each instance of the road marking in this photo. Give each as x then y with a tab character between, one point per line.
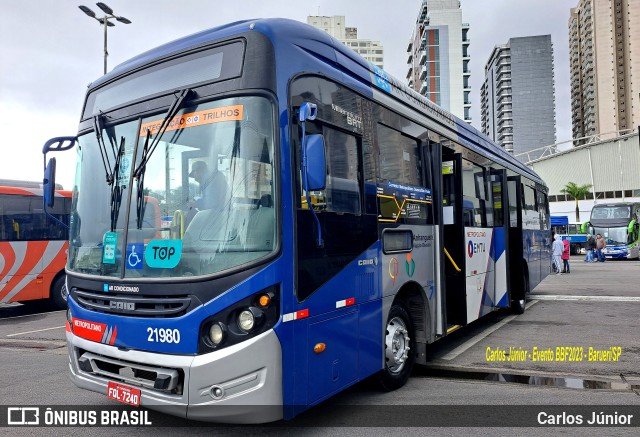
586	298
38	330
471	342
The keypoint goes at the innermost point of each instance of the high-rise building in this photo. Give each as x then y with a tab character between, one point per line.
517	98
372	51
604	53
439	56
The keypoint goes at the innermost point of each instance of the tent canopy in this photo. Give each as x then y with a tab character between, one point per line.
559	220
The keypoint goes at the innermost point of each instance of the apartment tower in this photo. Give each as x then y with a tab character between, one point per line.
372	51
517	97
604	55
438	56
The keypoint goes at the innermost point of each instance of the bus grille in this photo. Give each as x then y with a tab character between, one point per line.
138	306
151	377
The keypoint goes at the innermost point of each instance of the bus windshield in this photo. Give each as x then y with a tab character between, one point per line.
206	203
612	235
610	212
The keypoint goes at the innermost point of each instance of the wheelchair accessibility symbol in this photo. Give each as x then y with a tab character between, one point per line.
135	256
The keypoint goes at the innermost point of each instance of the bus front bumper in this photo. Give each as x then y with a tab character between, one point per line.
238	384
617	254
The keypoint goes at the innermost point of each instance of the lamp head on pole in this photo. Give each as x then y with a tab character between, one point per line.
104	21
109	23
106	9
87	11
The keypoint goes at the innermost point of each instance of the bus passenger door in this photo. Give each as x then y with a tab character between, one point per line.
515	246
500	237
453	256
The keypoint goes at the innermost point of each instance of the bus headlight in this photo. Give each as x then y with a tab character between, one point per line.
246	320
250	318
216	333
241	321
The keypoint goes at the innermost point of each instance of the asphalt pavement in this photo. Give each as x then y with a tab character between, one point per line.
491	362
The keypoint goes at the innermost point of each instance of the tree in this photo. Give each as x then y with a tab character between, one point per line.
577	192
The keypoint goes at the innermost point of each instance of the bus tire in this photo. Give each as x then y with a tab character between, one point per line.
399	349
519	305
59	293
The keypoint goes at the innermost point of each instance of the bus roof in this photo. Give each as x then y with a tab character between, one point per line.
26	191
286	32
25	184
609	205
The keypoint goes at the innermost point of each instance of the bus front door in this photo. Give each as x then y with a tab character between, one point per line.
453	256
517	276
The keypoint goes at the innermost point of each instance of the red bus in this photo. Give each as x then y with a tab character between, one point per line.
33	247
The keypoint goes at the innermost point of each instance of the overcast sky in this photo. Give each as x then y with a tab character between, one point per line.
50	51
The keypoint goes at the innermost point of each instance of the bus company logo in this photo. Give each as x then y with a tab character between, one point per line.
410	265
473	248
120	288
93	331
393	270
476	234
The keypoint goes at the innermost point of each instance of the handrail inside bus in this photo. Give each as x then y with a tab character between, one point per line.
446	252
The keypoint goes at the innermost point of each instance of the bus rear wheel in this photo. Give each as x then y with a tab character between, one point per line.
59	293
399	349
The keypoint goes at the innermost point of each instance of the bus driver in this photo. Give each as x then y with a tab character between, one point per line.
213	186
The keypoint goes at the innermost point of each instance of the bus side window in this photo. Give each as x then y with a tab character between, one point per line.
513	203
342	193
474	195
17	218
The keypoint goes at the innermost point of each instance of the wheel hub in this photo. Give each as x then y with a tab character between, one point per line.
396	345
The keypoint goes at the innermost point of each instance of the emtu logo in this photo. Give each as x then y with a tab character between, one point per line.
475	248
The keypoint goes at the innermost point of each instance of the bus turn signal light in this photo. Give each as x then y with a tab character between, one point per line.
264	300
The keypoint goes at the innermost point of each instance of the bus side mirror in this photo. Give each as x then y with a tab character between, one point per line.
316	164
631	226
49	183
58	144
313	161
584	227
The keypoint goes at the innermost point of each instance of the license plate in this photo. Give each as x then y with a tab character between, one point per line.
123	393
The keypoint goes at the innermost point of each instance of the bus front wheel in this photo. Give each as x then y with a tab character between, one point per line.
399	349
59	293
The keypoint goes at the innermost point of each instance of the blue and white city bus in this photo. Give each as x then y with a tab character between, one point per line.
355	223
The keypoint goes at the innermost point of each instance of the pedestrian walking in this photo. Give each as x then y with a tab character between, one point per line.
591	248
601	244
557	248
566	254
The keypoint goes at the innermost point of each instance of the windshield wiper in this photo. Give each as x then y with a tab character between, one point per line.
140	203
148	150
97	127
116	189
111	173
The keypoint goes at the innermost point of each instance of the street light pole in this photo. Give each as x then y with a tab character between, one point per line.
106	53
105	22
